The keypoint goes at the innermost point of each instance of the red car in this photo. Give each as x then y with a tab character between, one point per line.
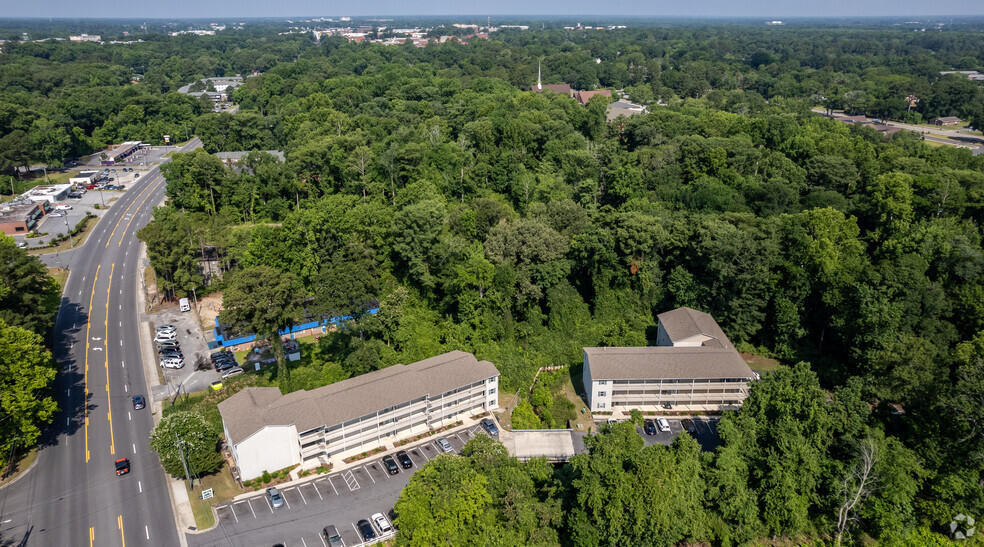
122	466
90	187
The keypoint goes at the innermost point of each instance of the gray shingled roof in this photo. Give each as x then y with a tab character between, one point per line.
254	408
665	362
683	323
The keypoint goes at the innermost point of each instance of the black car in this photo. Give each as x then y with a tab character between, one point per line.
219	355
172	355
404	458
391	466
649	427
138	402
690	426
366	530
229	359
219	367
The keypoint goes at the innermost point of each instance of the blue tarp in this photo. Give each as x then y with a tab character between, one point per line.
220	341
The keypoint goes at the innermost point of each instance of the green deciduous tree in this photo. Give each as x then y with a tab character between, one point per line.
188	433
26	373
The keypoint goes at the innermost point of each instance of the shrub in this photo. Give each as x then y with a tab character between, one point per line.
266	477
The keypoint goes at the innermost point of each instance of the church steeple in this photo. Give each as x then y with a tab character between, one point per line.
539	85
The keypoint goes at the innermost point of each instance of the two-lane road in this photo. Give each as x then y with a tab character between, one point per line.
72	496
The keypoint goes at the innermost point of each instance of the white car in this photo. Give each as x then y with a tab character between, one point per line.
165	327
234	371
663	424
63	207
173	363
166	335
56	214
380	521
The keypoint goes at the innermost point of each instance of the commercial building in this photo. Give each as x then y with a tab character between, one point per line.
624	108
86	178
945	120
86	38
267	431
48	192
21	217
120	153
693	367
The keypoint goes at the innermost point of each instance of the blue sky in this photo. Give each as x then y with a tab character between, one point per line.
294	8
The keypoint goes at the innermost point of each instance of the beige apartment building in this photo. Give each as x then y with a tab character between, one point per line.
693	367
267	431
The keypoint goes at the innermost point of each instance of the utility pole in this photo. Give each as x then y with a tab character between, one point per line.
184	462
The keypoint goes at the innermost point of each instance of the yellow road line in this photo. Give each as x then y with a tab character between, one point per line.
156	186
109	397
92	535
85	402
128	210
119	520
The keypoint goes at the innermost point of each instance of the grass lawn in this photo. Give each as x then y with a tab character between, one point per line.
79	239
18	466
759	363
224	488
60	275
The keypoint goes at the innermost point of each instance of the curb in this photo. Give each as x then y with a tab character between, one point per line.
24	472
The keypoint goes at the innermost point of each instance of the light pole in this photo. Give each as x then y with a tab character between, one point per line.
69	232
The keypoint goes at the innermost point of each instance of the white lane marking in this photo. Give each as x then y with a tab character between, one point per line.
121	306
332	486
121	342
322	540
6	521
139	486
68	421
122	363
147	532
358	534
285	501
318	491
80	293
129	417
121	323
424	453
121	290
134	448
302	495
69	392
368	473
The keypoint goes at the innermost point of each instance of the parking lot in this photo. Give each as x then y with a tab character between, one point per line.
339	498
706	426
193	346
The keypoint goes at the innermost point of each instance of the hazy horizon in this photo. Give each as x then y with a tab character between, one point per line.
771	9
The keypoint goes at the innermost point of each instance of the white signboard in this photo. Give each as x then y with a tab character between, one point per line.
206	494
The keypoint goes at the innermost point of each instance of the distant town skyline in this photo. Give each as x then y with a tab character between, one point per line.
772	9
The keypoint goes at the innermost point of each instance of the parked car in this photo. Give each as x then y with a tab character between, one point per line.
391	466
443	444
220	367
168	344
22	245
75	195
690	426
649	427
366	530
404	458
173	363
122	467
138	402
490	427
136	175
332	536
276	500
56	214
664	424
172	355
63	207
234	371
166	326
166	335
380	521
216	385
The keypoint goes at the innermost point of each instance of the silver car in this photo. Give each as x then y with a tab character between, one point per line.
443	444
276	500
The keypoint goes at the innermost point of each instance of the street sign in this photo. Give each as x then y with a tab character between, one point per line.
206	494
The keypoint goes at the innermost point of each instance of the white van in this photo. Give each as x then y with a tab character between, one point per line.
184	305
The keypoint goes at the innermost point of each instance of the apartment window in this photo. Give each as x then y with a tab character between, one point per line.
602	382
601	405
491	391
601	393
491	380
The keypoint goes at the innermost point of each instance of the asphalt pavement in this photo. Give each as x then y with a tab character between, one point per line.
72	495
339	498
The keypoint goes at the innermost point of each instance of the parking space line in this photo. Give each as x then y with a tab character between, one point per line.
318	491
251	508
268	504
302	495
322	538
304	543
411	459
368	473
285	501
424	454
357	533
332	485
